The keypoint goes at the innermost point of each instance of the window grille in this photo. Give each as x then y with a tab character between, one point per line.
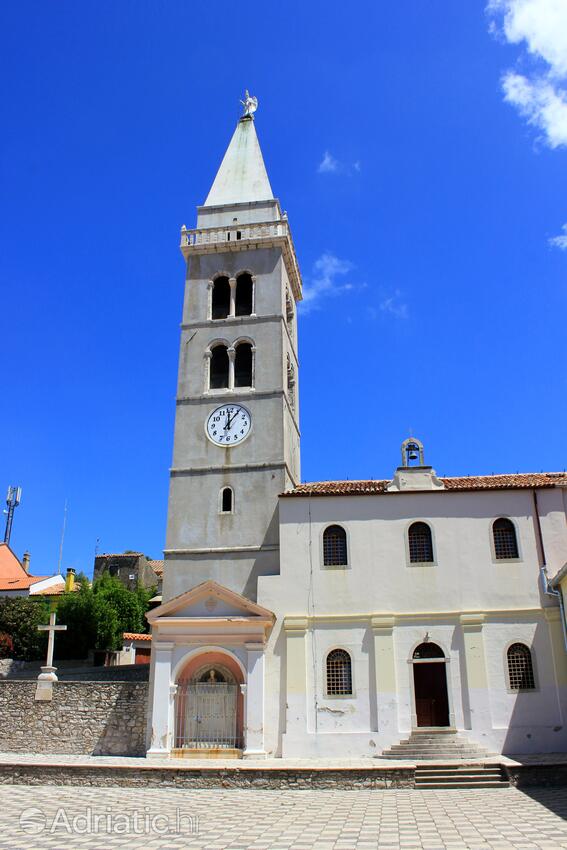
520	668
505	542
334	546
339	673
420	543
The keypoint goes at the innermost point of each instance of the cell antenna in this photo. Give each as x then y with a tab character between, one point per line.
13	498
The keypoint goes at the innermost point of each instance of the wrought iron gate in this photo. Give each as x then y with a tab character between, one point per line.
205	715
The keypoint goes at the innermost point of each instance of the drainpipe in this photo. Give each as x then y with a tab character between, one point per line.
545	583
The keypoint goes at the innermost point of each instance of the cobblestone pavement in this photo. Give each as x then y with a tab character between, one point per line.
171	819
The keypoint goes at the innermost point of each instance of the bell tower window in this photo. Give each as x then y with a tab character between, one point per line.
243	365
221	298
244	294
219	368
226	500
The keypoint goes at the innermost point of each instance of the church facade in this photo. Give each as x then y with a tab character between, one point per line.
331	619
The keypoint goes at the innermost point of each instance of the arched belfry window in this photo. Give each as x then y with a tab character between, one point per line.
243	365
520	668
226	500
244	298
219	368
220	307
420	543
505	541
339	673
334	546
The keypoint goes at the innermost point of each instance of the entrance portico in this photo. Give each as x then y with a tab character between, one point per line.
207	679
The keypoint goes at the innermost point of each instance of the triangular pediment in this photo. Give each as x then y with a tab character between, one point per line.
210	600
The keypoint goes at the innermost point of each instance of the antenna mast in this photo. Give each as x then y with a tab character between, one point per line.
62	538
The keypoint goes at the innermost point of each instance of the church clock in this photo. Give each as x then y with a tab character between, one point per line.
228	425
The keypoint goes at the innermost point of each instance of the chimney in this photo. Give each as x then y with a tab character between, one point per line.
26	562
70	579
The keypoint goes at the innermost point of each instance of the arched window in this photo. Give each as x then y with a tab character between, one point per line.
339	673
221	298
243	365
520	668
505	542
420	543
243	300
219	368
226	500
334	546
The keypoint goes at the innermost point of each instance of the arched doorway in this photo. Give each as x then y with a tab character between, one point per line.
430	685
209	704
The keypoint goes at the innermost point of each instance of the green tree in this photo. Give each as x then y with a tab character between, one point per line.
19	618
76	610
96	617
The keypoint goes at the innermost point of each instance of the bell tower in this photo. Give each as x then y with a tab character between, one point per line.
236	441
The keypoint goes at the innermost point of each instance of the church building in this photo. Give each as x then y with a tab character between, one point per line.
334	618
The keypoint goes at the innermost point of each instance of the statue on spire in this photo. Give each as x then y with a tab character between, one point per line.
250	104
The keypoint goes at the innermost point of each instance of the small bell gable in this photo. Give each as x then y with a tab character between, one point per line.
413	474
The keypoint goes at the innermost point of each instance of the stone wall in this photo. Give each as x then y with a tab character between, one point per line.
98	718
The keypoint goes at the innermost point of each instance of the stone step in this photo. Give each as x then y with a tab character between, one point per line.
447	786
440	756
454	750
457	775
455	770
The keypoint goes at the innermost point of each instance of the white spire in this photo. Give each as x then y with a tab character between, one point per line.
242	175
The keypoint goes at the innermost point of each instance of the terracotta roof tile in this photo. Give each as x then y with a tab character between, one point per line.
519	481
157	567
135	636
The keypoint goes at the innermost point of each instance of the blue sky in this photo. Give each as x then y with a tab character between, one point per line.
420	150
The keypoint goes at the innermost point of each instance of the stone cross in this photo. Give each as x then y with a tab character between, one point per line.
47	675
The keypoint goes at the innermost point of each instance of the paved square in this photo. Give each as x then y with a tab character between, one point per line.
170	819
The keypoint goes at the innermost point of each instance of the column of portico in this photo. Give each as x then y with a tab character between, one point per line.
385	674
163	702
254	702
476	673
296	680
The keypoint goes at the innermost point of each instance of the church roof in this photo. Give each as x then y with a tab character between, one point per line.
518	481
242	176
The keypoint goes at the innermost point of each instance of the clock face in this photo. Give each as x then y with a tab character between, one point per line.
228	425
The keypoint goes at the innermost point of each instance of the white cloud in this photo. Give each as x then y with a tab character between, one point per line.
326	281
328	165
542	104
331	165
539	94
561	240
394	305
